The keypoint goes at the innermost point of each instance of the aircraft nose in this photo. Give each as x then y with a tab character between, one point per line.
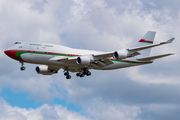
12	54
6	52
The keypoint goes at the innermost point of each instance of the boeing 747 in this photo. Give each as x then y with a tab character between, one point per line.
53	57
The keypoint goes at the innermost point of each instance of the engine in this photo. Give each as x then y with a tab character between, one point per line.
84	60
122	54
43	69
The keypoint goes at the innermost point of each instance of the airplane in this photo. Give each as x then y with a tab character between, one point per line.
52	57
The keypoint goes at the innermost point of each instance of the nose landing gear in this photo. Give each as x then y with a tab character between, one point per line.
22	66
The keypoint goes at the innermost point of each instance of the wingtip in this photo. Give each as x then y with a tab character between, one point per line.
170	40
170	54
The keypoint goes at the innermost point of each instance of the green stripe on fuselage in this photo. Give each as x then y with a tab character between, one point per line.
18	54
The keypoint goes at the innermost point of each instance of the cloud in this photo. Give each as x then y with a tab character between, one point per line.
24	20
44	112
131	93
146	78
99	109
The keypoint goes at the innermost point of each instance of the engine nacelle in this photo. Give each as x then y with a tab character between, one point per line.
84	60
122	54
43	69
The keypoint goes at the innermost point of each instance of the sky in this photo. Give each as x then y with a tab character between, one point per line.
149	92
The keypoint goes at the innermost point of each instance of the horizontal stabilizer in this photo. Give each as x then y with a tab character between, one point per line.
153	57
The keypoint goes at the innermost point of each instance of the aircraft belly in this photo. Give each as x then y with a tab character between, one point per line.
35	58
44	59
66	64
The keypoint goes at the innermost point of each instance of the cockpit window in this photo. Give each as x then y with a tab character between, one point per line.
17	43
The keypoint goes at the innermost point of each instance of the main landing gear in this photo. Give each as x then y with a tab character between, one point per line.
84	72
22	66
67	75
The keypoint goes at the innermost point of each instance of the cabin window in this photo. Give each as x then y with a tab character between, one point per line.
36	44
17	43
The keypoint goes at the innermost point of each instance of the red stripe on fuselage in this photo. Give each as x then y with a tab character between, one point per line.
12	54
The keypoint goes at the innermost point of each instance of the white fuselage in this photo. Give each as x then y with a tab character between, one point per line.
41	53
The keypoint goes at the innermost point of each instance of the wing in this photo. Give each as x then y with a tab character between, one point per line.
101	60
97	60
103	55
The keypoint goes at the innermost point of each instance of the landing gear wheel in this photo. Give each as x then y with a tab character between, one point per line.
81	75
68	77
77	74
88	73
66	73
22	68
53	71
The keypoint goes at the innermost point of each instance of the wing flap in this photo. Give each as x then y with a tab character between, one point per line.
154	57
108	62
101	63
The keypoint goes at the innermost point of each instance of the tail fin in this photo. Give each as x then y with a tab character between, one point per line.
147	39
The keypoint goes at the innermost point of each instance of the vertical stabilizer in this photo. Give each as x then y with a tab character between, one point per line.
147	39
